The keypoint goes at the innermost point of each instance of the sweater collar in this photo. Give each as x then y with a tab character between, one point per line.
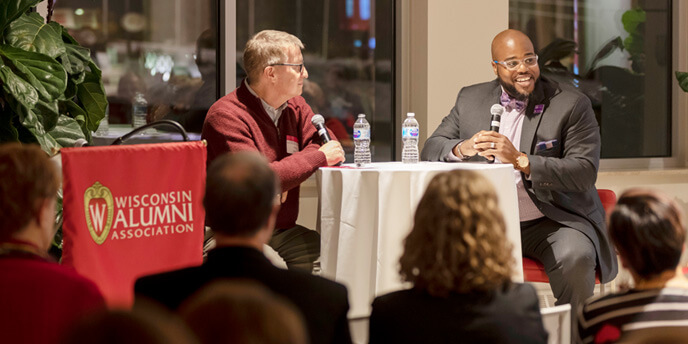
274	113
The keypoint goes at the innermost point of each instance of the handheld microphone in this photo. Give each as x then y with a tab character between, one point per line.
319	123
496	110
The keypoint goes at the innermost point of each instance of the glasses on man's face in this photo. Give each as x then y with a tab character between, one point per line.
300	65
529	61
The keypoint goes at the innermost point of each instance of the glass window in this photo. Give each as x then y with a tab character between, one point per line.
618	53
349	49
163	49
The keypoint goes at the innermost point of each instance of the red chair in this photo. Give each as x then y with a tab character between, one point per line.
534	271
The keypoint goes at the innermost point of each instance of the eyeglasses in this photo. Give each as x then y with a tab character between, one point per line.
514	64
300	65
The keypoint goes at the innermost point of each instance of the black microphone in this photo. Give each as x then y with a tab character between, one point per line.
319	123
496	110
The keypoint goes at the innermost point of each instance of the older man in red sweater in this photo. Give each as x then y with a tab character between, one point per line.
267	114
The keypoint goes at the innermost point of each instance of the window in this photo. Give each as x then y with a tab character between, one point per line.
349	49
163	49
618	53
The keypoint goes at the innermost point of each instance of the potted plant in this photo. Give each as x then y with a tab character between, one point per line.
51	91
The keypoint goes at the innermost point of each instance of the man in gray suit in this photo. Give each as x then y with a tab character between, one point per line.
551	137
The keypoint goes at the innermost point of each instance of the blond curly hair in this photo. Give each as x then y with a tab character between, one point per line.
458	242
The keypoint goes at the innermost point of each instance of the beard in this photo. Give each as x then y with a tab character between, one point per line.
512	91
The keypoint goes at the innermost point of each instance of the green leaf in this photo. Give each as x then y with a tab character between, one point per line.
66	132
92	95
75	111
635	44
682	78
45	74
12	9
34	125
30	33
47	112
17	88
632	18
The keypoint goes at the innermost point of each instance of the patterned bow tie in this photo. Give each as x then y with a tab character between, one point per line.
511	103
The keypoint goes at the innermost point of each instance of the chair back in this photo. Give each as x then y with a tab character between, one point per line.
608	198
131	211
557	322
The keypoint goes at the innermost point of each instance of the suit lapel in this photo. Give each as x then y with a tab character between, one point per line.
539	99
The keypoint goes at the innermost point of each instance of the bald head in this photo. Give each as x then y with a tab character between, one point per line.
514	62
509	40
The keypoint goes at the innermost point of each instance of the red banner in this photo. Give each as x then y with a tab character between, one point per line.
131	211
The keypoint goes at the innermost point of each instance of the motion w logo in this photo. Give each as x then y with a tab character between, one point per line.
99	211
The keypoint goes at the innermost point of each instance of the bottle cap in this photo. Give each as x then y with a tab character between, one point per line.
410	114
361	115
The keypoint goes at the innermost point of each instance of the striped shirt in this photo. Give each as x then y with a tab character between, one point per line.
606	318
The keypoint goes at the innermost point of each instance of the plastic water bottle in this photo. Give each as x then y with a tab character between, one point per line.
138	110
409	136
361	141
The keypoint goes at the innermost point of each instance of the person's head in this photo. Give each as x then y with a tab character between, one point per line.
648	232
265	56
458	242
28	188
510	47
243	311
240	194
147	323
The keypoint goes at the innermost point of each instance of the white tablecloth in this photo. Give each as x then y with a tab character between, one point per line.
364	214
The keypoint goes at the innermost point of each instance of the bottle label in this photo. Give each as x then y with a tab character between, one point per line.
361	134
409	132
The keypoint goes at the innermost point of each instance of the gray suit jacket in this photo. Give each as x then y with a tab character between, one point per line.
562	178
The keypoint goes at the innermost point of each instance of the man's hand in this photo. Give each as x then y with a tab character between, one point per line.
333	152
491	144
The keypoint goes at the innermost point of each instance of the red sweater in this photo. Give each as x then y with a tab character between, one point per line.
239	122
40	300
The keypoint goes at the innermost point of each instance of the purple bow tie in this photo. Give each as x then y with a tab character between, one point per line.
510	103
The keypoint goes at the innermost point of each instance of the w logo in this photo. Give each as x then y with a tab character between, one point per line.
99	209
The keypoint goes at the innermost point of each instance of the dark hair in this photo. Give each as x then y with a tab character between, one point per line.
648	231
243	311
147	323
458	242
27	177
240	193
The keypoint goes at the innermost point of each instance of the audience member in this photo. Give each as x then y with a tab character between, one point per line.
146	324
242	202
459	261
38	297
267	114
649	233
242	311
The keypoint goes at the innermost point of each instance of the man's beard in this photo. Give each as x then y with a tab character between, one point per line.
512	91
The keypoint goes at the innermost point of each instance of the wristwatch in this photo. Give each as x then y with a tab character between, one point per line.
522	162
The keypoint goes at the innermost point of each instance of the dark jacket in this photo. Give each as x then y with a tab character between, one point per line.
323	303
508	315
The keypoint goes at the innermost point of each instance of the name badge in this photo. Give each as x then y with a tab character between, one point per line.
292	144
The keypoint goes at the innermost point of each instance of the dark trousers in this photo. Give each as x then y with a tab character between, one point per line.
298	246
569	258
